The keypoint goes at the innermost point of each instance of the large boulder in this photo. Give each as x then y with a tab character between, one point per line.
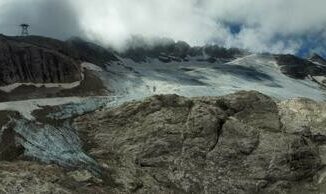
171	144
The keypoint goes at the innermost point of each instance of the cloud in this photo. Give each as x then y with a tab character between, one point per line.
267	26
116	21
278	26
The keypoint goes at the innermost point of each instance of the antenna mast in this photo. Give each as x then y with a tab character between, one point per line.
24	29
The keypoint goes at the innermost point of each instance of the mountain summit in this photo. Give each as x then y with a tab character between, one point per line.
318	59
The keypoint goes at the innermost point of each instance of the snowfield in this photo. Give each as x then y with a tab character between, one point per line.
195	78
128	81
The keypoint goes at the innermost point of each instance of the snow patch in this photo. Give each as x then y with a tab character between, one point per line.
91	66
26	107
320	79
317	63
11	87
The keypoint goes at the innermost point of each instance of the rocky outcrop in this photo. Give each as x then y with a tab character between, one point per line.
298	68
75	48
321	62
91	52
43	67
31	177
318	59
167	50
306	117
24	62
239	143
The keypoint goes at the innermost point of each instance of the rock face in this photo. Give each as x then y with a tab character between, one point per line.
43	67
167	51
91	52
30	177
24	62
318	59
299	68
239	143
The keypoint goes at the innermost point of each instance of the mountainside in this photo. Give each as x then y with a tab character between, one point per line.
23	62
44	67
161	118
318	59
144	70
299	68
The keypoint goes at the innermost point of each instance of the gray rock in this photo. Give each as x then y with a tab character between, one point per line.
31	177
318	59
239	143
171	144
26	62
306	117
299	68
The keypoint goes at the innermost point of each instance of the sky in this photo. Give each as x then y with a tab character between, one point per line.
276	26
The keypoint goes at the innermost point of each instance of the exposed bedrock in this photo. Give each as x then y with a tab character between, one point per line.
232	144
239	143
298	68
23	62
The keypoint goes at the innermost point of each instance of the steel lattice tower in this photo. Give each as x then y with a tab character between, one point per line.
24	29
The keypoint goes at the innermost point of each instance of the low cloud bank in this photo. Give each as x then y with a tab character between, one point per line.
278	26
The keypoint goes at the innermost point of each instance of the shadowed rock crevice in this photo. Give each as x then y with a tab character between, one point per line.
10	149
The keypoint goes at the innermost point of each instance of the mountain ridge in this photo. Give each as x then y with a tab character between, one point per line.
174	65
